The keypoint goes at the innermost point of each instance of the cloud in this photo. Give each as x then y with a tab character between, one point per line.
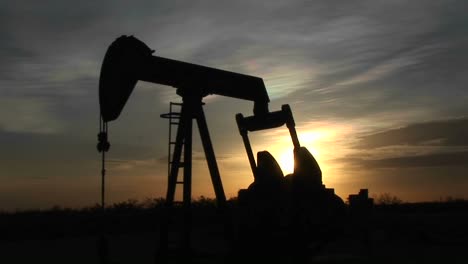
381	64
64	148
447	160
378	63
443	133
28	115
438	143
343	60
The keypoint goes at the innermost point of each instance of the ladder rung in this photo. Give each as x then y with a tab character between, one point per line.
172	103
174	123
179	182
171	115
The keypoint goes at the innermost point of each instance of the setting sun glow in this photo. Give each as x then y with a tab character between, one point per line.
286	161
311	139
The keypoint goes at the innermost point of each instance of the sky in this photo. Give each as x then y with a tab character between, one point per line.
377	89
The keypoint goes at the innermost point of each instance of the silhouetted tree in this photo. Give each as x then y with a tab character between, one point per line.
387	199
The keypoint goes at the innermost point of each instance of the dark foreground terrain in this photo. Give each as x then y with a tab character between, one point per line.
405	233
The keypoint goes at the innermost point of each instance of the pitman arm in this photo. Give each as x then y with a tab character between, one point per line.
262	122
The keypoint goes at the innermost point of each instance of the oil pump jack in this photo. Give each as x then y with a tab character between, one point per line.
129	60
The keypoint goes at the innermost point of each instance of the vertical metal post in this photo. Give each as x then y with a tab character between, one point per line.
103	181
187	192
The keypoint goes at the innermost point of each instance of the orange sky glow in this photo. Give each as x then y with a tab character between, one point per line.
377	90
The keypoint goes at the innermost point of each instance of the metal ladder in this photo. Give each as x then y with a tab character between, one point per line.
191	109
174	120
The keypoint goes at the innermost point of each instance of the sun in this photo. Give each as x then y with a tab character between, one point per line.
282	148
286	161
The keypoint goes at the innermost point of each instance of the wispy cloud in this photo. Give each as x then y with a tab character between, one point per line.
29	115
346	67
438	143
447	160
441	132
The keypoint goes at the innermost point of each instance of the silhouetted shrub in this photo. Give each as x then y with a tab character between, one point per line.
387	199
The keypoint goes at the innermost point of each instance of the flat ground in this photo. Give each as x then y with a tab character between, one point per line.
385	236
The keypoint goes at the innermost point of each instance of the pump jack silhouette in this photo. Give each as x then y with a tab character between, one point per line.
129	60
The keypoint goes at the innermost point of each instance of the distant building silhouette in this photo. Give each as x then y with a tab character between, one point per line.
360	201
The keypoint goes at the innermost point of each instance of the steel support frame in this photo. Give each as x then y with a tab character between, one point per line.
192	108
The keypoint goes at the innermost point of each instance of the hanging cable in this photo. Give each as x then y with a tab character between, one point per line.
103	146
